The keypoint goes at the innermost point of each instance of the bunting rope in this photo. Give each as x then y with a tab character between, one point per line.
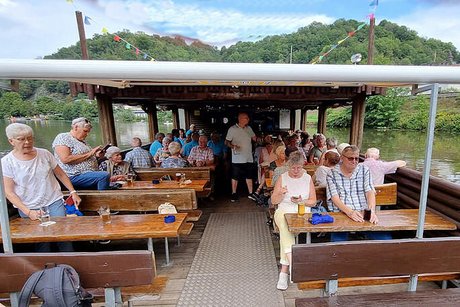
372	7
117	38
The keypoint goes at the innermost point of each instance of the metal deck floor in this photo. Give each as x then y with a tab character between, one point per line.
234	265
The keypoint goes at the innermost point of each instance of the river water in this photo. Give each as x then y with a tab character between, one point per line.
393	144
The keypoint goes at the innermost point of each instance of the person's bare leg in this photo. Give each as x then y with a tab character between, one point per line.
234	185
249	184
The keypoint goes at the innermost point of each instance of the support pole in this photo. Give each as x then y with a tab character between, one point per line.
106	120
322	119
84	50
357	120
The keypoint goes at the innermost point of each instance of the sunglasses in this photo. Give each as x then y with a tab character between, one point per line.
351	159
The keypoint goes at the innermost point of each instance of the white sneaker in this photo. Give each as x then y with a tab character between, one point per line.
283	281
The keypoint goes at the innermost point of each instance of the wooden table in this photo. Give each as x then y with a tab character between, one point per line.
389	220
197	184
86	228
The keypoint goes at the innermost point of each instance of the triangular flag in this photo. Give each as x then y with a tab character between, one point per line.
341	41
374	3
350	34
371	16
116	38
145	56
137	51
128	46
360	26
333	47
152	59
87	19
104	30
69	1
320	57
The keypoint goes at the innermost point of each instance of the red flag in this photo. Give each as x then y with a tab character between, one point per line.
116	38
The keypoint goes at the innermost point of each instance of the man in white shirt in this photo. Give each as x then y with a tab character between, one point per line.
239	139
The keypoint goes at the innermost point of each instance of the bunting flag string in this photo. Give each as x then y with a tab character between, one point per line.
373	7
117	38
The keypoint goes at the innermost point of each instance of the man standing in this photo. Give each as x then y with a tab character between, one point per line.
239	139
350	190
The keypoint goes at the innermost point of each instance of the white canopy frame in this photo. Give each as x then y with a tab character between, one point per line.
128	73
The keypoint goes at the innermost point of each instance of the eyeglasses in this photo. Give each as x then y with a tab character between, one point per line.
22	139
351	159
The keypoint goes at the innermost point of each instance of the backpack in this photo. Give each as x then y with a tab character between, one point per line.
57	286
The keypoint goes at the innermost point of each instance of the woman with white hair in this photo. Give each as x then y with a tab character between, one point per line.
174	160
294	186
115	166
29	176
78	159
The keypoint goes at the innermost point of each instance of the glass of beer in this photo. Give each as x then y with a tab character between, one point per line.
301	208
104	213
130	179
178	176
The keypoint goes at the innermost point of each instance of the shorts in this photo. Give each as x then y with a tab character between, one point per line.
242	171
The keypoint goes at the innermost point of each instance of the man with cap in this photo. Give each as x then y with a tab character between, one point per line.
78	159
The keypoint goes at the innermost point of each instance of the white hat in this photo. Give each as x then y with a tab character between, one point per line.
341	147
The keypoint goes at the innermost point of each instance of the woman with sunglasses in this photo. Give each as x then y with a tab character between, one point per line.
78	159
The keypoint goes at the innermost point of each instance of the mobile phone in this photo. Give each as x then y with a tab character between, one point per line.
106	147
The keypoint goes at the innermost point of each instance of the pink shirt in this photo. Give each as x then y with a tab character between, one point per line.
379	168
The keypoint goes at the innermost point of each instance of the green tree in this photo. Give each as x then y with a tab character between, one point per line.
384	111
11	104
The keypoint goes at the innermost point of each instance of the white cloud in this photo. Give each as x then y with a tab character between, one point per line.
440	22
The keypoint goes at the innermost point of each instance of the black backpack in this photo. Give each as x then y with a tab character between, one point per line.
57	286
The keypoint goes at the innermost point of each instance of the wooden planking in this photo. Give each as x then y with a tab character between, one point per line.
357	259
148	174
438	297
139	200
101	269
389	220
198	185
85	228
373	281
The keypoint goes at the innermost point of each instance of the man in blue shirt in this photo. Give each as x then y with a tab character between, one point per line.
157	144
188	147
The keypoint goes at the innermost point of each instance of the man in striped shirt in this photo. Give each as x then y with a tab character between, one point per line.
350	190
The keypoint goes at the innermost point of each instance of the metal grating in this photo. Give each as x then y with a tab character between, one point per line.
234	265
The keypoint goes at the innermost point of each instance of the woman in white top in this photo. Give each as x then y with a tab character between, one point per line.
331	159
294	185
29	176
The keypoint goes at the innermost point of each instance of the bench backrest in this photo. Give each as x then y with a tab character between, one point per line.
138	200
96	270
386	194
329	261
148	174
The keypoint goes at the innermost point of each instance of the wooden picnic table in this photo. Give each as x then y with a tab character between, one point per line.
86	228
389	220
197	184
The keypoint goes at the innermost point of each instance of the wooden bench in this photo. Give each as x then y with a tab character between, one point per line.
338	263
108	270
141	200
148	174
386	195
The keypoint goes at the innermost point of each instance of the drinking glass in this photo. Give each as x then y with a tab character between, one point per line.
104	213
44	216
130	179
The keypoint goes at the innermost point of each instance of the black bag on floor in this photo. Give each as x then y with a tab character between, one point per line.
57	286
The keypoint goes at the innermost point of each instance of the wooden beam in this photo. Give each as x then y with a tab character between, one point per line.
15	85
89	89
357	120
175	118
322	119
292	118
106	120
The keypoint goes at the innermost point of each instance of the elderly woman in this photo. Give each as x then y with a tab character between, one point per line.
294	186
174	160
163	152
331	159
29	176
318	149
78	159
115	166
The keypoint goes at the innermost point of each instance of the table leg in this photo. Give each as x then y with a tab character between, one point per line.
150	244
167	251
308	238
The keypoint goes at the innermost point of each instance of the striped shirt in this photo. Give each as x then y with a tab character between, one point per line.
139	158
352	191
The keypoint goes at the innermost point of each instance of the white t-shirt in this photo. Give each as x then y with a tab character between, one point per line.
34	180
295	186
241	137
321	175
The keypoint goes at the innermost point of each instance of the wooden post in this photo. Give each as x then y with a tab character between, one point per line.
370	46
357	120
322	119
292	119
175	118
151	110
106	120
14	85
303	119
84	50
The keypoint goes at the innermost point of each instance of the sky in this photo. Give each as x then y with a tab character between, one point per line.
34	28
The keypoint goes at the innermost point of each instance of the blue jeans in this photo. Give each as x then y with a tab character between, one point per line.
91	180
56	209
371	235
